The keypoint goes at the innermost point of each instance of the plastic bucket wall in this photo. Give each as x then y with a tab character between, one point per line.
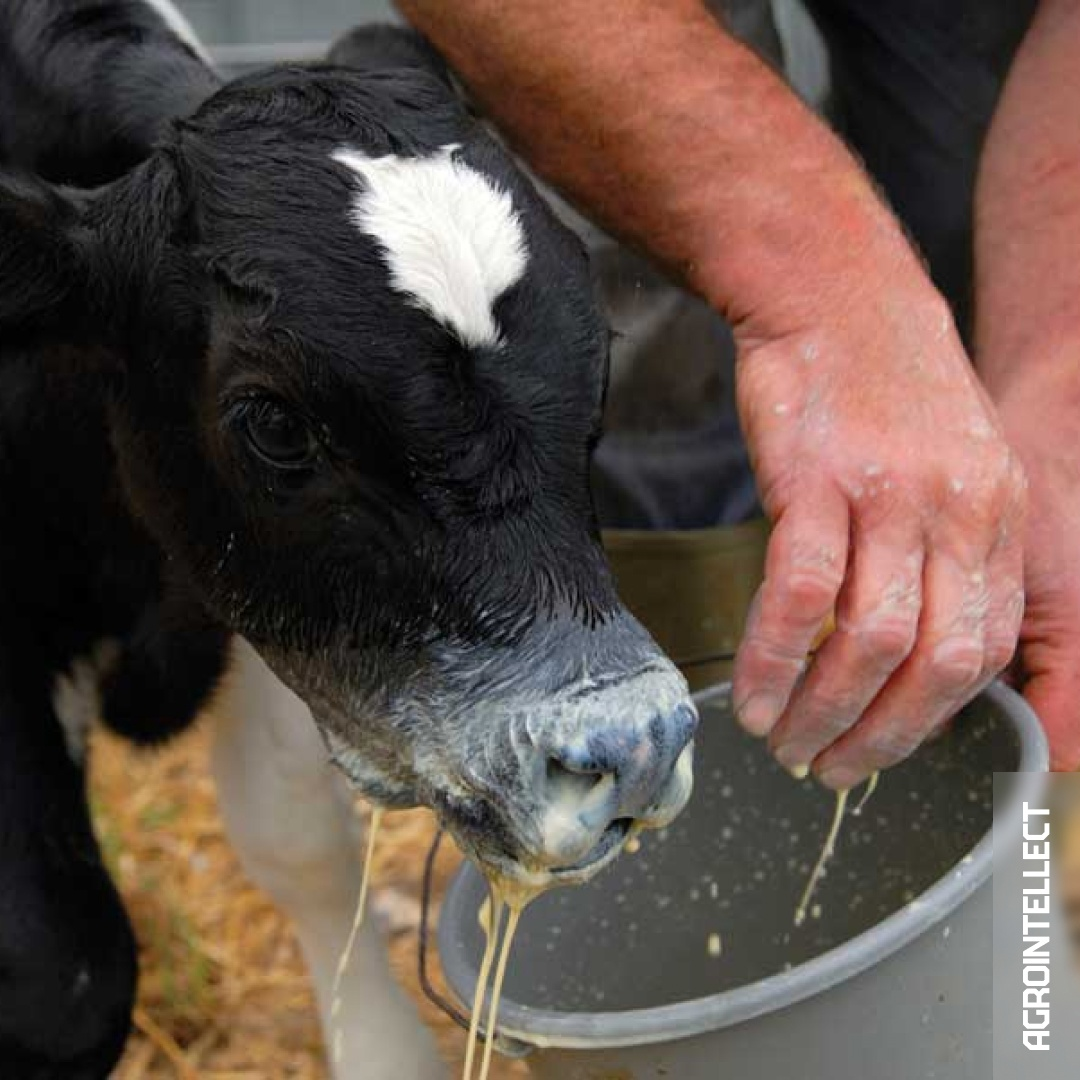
890	976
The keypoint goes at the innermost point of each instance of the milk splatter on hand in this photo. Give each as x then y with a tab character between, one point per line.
896	504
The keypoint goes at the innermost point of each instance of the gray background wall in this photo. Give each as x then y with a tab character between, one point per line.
258	31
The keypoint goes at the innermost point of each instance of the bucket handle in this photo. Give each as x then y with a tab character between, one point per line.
506	1046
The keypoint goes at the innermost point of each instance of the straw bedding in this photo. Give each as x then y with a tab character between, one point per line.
223	992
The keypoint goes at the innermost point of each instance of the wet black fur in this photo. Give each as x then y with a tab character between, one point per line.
131	506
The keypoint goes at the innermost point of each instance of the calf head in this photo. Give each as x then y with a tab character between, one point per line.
360	371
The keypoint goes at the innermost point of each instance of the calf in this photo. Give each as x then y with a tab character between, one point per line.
296	412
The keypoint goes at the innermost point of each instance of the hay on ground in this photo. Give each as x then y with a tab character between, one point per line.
223	991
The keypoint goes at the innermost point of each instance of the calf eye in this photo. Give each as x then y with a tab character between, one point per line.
278	435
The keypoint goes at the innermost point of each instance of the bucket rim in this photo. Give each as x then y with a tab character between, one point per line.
533	1029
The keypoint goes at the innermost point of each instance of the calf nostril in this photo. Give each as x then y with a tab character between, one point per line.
569	776
581	764
579	802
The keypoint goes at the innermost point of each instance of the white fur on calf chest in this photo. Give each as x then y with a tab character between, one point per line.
452	240
76	695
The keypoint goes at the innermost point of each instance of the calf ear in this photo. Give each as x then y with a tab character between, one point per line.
75	264
44	255
389	48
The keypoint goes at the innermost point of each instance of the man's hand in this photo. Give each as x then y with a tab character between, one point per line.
896	501
1043	425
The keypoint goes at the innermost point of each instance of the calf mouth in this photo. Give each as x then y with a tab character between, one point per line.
508	870
607	850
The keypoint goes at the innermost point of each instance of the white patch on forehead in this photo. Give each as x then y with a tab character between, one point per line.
451	239
176	22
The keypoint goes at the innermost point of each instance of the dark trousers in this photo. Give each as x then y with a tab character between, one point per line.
915	84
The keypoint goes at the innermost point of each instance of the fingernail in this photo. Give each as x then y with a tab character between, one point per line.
759	713
841	777
796	759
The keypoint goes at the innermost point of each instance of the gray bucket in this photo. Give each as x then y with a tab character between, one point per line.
890	977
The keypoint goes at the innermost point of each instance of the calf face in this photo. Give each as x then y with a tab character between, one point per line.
363	371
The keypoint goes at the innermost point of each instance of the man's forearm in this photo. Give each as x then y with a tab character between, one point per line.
1028	344
677	138
1028	214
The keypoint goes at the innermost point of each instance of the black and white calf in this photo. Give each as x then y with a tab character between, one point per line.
296	411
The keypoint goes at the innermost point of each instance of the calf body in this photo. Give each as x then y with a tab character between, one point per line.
312	383
76	573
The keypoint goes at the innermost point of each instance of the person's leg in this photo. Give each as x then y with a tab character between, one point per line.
289	817
915	84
